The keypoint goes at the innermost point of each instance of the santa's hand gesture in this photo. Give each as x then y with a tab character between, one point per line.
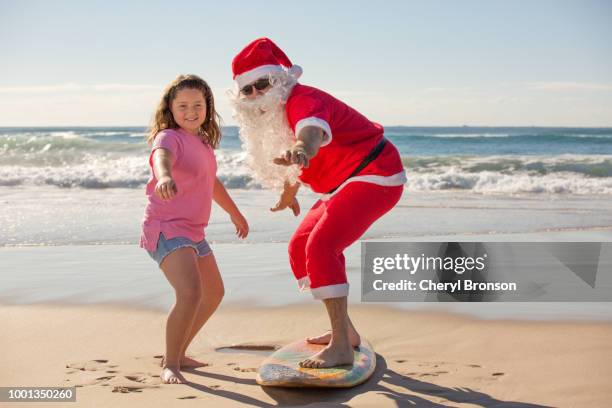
287	199
284	202
296	155
309	141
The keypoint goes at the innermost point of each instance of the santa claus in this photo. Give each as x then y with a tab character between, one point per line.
296	134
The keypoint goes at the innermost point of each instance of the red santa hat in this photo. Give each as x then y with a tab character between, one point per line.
260	58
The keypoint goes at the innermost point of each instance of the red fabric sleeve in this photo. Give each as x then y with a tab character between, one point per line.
307	106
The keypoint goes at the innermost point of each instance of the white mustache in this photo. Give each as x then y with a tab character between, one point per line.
263	103
265	134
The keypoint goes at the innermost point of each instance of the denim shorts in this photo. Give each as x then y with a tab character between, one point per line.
166	246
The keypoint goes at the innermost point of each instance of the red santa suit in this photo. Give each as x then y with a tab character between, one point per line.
341	217
350	202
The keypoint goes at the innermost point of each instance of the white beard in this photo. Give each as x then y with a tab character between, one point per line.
265	135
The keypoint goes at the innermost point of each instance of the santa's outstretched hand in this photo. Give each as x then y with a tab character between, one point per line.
288	199
307	146
309	141
296	155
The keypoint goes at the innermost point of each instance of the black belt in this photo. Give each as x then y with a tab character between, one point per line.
367	160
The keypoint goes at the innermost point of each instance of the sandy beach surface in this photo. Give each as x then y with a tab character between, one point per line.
82	305
423	359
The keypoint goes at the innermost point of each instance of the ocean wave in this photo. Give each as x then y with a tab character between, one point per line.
67	162
125	172
566	174
507	138
108	171
61	150
461	135
587	165
488	182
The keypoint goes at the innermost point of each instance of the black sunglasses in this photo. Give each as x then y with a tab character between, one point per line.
260	85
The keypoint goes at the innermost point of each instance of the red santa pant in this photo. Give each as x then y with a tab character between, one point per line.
315	250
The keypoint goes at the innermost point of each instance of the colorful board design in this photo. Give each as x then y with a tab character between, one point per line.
281	369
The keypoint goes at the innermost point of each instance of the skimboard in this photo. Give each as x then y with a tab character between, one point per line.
281	369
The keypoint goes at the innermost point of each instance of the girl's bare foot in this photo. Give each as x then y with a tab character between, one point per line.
187	362
172	375
325	338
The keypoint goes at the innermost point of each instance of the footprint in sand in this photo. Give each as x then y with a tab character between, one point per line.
91	365
245	370
136	378
132	383
126	390
156	360
474	371
84	374
433	374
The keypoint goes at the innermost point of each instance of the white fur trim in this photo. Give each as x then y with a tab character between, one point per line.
396	179
304	284
253	75
296	71
330	291
316	122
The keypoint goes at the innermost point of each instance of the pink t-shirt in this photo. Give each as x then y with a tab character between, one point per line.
194	170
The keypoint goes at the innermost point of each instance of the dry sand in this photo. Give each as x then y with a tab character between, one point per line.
424	359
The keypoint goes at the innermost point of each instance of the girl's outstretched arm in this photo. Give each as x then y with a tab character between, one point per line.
162	164
223	199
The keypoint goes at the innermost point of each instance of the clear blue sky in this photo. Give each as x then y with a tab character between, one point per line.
400	63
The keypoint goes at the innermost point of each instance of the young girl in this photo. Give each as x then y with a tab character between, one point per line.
184	132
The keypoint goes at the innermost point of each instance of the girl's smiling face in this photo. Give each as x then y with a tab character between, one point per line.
189	109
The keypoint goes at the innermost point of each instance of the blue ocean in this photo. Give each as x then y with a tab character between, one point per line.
484	160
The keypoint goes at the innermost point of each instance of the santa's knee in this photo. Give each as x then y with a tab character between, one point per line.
297	256
297	248
321	253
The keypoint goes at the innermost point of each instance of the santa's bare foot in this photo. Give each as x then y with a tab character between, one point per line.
172	375
325	338
187	362
330	356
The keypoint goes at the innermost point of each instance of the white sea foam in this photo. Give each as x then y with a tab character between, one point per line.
96	158
568	174
96	172
489	182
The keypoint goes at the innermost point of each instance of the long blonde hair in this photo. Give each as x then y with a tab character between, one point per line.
163	119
